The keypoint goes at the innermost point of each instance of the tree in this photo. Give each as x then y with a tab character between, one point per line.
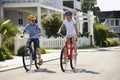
51	24
90	5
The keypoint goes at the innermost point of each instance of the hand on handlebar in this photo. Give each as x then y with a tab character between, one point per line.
58	33
40	34
22	36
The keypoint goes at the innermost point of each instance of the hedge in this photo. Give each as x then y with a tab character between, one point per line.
109	43
21	50
5	54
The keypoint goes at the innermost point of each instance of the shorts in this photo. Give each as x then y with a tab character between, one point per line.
35	42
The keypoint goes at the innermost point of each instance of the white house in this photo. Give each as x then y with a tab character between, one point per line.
18	10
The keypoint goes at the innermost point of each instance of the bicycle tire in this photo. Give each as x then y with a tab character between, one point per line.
63	65
27	56
73	62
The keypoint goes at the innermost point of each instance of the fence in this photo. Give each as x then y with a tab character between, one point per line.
50	42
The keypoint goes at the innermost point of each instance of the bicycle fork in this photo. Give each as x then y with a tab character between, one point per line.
33	53
69	53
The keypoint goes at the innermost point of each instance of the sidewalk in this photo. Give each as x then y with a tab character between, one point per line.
54	54
17	61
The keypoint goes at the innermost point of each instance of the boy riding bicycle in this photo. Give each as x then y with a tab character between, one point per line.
71	29
33	29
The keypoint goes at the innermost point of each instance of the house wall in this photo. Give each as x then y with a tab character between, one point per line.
53	3
112	25
11	14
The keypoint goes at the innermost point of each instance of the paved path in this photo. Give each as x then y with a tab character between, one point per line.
93	64
54	54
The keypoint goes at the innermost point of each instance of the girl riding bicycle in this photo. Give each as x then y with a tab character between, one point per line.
33	30
71	29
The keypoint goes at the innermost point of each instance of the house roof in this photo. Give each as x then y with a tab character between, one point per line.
108	14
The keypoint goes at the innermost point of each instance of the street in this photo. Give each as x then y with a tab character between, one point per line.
91	65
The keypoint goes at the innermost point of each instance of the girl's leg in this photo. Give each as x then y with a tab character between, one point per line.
74	44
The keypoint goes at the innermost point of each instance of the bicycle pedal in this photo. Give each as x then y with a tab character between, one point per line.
27	54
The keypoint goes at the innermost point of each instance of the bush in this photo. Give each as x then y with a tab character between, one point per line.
8	54
42	50
2	54
86	34
9	43
5	54
21	50
100	33
112	34
110	43
8	32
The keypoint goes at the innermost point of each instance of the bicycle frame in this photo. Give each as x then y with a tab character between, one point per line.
30	46
67	44
31	50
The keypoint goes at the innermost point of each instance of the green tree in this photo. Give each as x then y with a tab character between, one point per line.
90	5
51	24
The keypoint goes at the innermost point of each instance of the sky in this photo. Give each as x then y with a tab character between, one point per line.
108	5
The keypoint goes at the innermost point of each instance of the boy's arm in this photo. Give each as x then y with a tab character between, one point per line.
23	34
77	33
40	32
60	29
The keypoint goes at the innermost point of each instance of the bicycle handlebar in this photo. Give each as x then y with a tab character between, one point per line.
60	34
35	36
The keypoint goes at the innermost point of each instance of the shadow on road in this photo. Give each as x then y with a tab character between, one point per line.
85	71
44	70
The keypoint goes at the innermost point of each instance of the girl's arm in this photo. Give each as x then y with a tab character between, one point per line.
75	26
60	29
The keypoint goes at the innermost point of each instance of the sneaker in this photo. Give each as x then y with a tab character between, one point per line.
65	61
75	54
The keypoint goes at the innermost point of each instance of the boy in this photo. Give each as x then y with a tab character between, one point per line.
71	29
33	30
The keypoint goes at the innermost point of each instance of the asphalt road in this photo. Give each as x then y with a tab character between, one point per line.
91	65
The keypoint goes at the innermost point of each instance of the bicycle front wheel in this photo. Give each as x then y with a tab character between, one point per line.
73	62
27	59
63	61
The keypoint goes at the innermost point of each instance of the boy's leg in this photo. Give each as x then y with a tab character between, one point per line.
36	45
39	54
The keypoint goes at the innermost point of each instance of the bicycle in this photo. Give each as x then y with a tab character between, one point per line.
69	55
30	55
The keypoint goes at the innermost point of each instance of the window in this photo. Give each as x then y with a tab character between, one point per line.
20	18
112	23
116	22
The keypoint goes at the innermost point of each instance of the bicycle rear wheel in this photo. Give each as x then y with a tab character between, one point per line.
63	61
27	59
73	62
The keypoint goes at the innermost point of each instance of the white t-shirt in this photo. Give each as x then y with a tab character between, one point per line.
70	30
